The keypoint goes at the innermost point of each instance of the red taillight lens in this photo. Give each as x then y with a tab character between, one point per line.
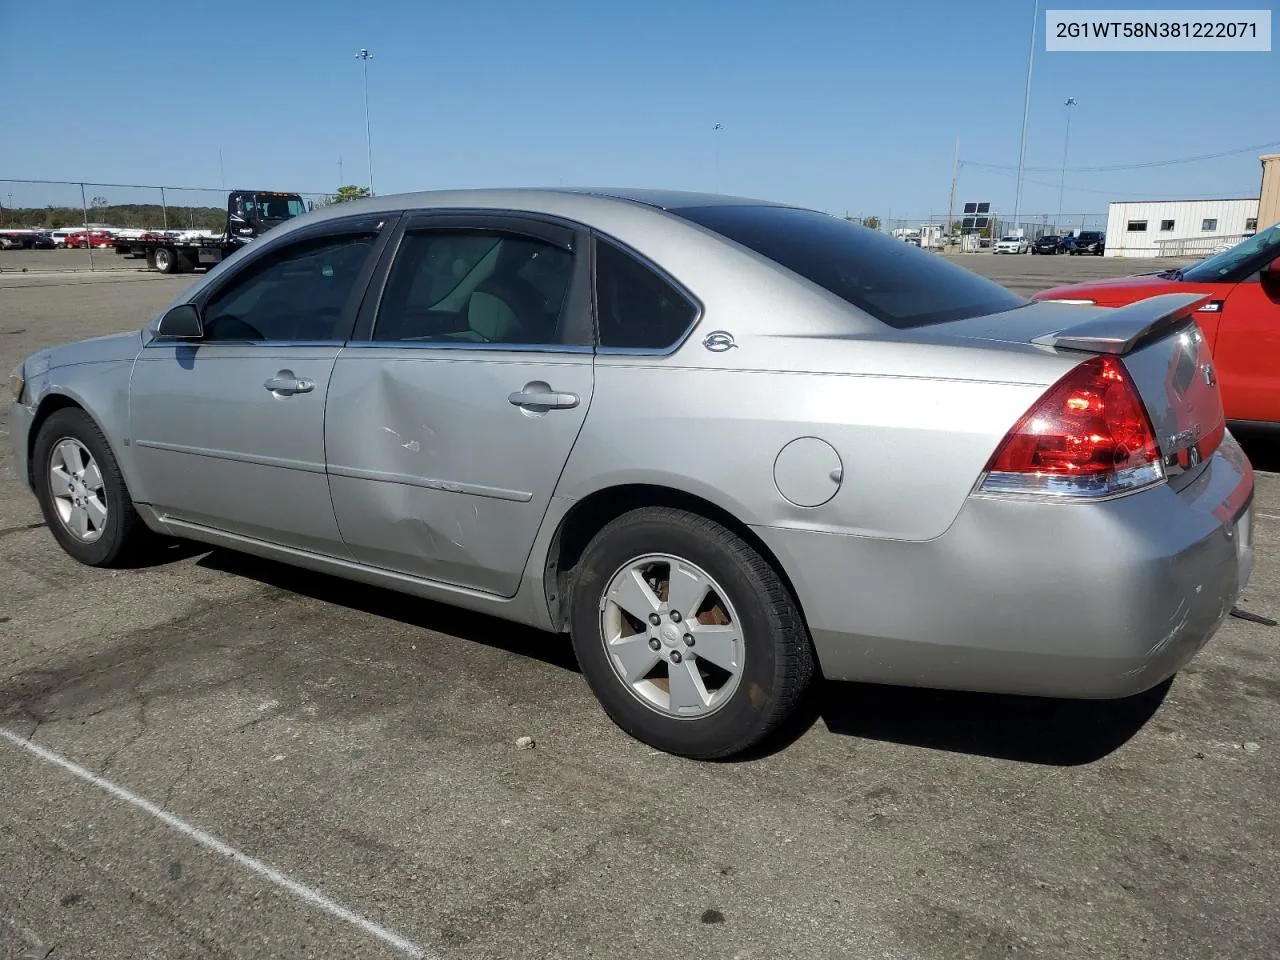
1089	436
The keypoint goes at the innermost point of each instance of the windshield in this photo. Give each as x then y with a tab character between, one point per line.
278	208
1229	261
897	283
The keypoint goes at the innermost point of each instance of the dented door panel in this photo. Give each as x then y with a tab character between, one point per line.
434	471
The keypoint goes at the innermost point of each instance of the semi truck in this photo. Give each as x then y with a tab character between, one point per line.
250	213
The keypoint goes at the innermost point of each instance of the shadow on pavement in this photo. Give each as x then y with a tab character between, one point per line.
1262	449
413	611
1027	729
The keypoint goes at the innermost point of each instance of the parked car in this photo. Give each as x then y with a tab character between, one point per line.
83	239
719	442
42	240
1087	242
1049	245
1240	318
1012	245
60	237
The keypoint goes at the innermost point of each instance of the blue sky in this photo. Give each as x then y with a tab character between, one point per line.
845	106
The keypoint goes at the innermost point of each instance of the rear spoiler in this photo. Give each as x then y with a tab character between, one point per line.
1119	330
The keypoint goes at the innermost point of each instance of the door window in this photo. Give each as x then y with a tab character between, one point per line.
475	286
297	292
637	309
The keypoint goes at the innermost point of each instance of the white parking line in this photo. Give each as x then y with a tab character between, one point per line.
300	890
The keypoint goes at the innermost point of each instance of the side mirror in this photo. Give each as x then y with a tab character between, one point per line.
1270	274
181	323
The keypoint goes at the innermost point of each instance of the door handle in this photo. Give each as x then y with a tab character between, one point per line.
288	386
545	399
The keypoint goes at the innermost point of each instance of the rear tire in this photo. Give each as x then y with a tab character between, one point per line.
114	533
719	695
166	259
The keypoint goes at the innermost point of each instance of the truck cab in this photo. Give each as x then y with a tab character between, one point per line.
251	213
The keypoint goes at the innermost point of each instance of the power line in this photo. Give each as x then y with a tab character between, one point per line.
1009	171
1129	166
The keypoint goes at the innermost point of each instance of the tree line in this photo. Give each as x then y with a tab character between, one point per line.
148	216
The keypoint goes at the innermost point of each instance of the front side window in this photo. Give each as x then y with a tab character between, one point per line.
475	286
636	308
897	283
1137	226
296	292
1208	225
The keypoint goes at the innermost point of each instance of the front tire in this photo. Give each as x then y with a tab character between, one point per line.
82	492
708	681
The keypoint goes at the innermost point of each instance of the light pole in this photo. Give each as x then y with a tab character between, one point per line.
1026	108
365	56
1062	181
715	137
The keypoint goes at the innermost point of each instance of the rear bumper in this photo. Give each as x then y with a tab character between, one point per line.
1055	599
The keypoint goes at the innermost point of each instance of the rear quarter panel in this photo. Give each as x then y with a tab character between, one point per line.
910	448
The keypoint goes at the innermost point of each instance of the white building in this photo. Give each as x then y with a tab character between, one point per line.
1178	228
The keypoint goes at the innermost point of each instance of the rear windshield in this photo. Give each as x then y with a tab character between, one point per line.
897	283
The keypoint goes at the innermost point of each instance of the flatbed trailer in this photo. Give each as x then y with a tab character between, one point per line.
172	255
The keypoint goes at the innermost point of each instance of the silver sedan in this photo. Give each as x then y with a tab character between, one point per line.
726	445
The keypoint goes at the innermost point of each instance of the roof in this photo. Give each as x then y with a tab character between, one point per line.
1192	200
550	200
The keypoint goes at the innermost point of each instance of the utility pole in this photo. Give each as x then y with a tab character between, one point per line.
715	136
951	204
1026	108
339	169
1062	182
364	56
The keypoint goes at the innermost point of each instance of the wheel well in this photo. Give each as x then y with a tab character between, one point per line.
48	407
587	517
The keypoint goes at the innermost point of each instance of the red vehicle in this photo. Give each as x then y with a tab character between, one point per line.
99	239
1241	322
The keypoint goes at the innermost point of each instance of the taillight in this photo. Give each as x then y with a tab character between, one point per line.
1089	436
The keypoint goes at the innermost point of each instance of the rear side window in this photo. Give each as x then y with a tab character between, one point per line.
475	286
636	308
897	283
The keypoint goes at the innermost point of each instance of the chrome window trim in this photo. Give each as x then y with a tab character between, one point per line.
210	344
453	345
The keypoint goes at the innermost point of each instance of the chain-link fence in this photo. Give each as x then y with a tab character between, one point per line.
51	225
970	233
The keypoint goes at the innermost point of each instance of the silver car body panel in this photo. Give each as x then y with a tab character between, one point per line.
434	484
257	465
434	472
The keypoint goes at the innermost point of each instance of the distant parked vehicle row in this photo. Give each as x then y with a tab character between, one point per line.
26	240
